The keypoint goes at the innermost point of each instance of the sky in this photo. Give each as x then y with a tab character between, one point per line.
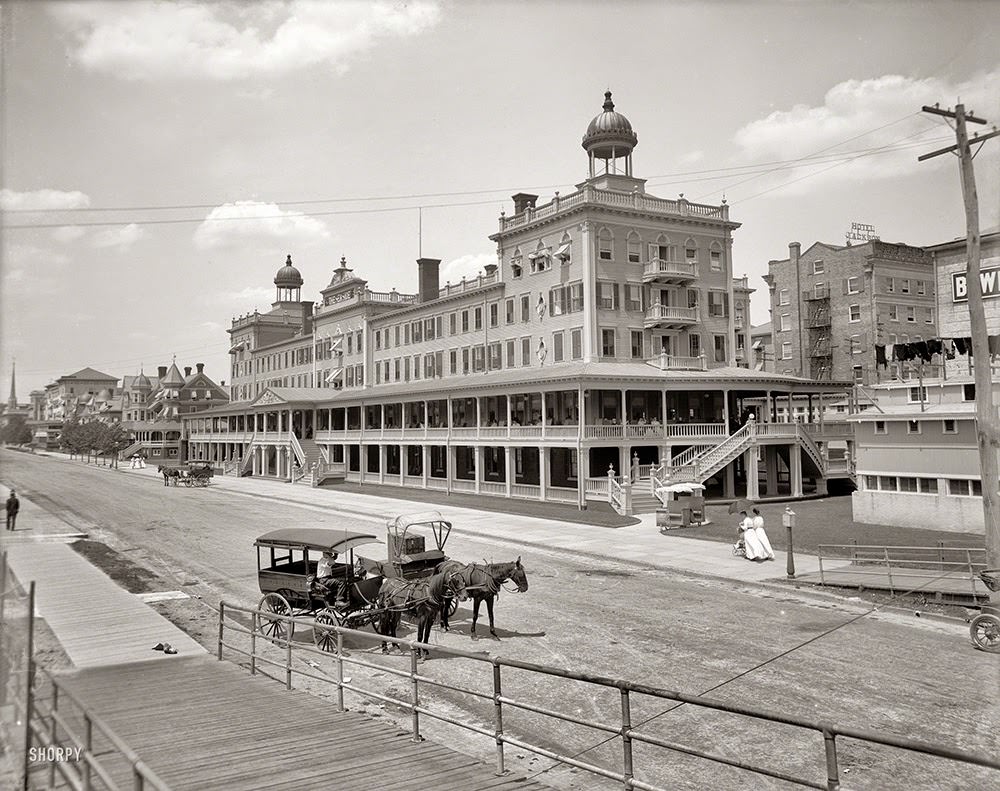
160	160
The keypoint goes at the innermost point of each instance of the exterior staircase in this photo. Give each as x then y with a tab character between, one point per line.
706	464
311	456
643	501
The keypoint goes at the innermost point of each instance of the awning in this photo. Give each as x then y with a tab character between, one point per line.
238	347
335	374
563	251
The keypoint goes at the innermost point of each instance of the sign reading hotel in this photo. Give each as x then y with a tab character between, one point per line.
989	279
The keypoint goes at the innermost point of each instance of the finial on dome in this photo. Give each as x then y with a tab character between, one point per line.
288	260
608	104
343	260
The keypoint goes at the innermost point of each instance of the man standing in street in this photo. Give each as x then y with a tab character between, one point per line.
13	506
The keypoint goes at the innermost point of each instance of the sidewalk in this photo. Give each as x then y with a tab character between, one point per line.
639	544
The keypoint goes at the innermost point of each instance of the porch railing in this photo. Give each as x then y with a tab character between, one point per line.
497	700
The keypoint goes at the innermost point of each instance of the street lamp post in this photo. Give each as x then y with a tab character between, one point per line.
788	520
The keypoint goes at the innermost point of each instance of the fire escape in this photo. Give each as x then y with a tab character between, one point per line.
817	302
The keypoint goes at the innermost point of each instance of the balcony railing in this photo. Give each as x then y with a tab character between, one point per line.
673	362
815	294
658	269
669	314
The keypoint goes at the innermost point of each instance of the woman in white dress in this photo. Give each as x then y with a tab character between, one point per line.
754	549
758	530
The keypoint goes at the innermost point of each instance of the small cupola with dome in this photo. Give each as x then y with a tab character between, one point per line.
609	137
288	281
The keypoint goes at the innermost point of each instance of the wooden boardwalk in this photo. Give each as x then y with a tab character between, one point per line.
203	724
97	622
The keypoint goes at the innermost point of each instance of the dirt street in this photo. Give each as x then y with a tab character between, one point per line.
739	644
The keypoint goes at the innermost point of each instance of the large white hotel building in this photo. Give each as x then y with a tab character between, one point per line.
610	333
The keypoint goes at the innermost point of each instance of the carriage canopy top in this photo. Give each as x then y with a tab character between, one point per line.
419	519
318	538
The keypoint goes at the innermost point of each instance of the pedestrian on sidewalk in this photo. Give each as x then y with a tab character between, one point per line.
13	506
754	549
758	529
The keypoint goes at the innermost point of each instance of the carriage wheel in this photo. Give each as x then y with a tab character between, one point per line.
272	628
452	606
326	639
985	631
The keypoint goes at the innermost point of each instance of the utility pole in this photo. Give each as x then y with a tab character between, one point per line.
987	421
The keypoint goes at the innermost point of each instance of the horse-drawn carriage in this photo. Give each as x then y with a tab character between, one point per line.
287	562
197	474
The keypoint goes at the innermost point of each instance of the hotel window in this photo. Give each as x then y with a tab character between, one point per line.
428	366
478	318
930	316
634	296
525	308
887	483
516	270
395	366
438	320
715	257
890	285
378	341
871	483
478	359
557	347
429	329
509	310
496	356
397	336
416	366
575	297
349	376
921	288
693	297
854	313
784	322
959	487
720	348
907	483
718	303
495	314
465	321
525	351
949	427
820	291
576	344
784	297
633	250
786	351
417	333
607	296
904	286
378	374
541	261
608	343
439	364
406	337
854	285
969	392
510	354
694	345
928	485
453	323
465	360
557	301
453	360
636	336
911	313
690	252
604	244
350	344
894	313
912	426
818	267
917	395
857	347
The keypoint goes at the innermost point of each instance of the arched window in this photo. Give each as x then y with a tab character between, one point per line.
691	251
516	268
605	243
715	256
663	249
634	244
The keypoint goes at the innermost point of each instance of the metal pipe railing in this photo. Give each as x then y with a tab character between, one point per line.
623	728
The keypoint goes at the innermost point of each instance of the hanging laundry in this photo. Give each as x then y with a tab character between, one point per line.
920	351
880	361
994	341
934	346
949	348
960	345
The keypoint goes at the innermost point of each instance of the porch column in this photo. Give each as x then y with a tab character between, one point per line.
362	454
795	454
663	415
725	410
750	464
543	414
289	468
729	481
277	462
623	407
381	463
426	466
809	413
771	469
543	472
582	473
768	416
450	455
508	467
404	464
507	398
820	413
477	455
791	415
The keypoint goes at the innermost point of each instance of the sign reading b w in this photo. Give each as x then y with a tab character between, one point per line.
989	279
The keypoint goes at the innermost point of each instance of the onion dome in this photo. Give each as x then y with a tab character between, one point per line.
142	382
609	134
288	276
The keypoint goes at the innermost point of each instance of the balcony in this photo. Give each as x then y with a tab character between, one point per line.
815	294
673	272
820	318
673	362
668	316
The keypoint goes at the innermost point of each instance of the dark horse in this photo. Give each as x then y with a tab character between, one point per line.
482	582
423	597
170	475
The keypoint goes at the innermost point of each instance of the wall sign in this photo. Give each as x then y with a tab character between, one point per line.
989	279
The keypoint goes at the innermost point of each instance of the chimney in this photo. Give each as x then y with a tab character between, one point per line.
522	201
794	248
307	317
187	371
222	383
200	367
161	372
428	276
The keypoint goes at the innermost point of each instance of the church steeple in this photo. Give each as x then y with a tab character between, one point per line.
12	400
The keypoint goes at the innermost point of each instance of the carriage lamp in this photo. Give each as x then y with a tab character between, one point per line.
788	520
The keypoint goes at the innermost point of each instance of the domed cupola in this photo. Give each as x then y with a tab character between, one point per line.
289	282
142	382
610	137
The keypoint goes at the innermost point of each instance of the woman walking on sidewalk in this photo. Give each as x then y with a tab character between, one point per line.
758	529
754	549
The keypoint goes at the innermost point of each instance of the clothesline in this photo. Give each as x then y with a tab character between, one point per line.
925	351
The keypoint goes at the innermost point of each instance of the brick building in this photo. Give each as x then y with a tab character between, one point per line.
831	305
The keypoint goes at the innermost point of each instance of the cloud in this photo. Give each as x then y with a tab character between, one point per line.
68	233
251	295
29	270
121	238
225	41
469	266
42	200
860	115
261	225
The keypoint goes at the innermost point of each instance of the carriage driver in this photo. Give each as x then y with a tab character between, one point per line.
330	575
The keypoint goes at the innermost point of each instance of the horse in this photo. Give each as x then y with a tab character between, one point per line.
423	597
482	582
168	473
